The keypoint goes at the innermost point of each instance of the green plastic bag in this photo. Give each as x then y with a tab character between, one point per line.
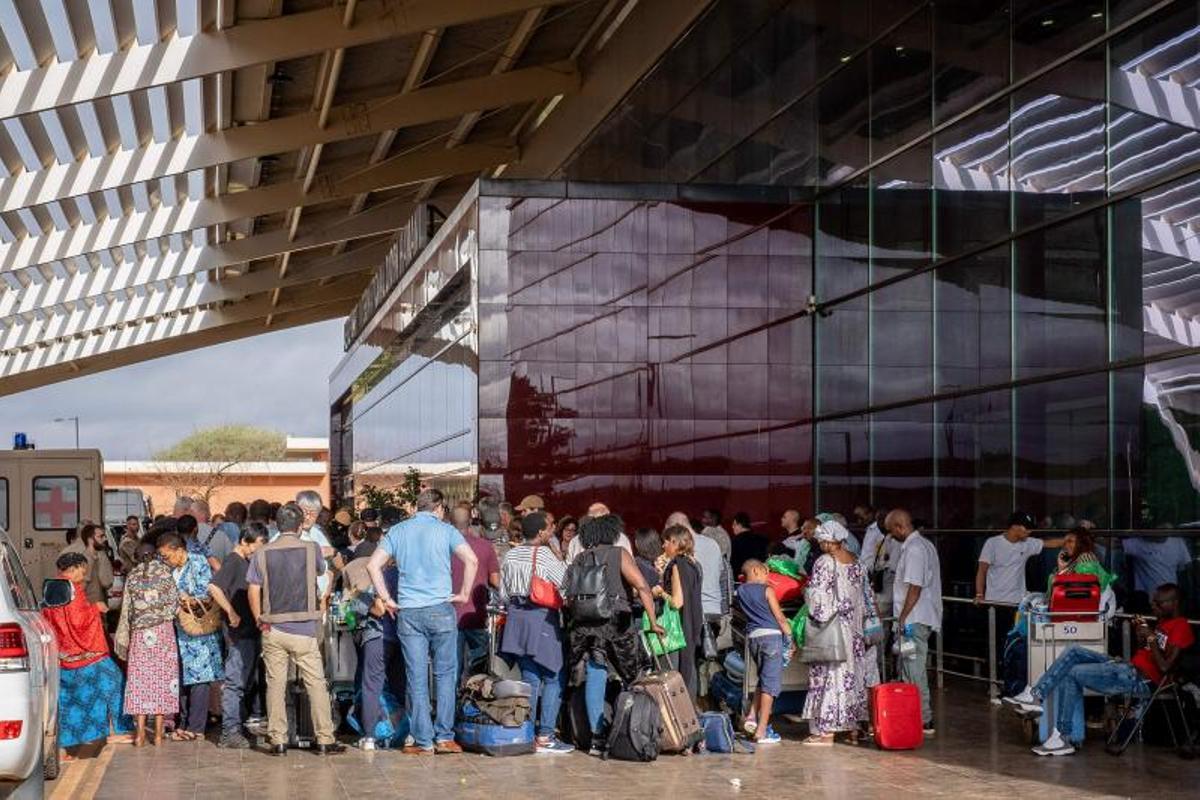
672	623
799	626
784	566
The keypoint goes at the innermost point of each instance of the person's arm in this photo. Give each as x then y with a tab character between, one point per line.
1165	657
466	555
493	568
218	596
981	581
254	595
677	598
104	571
1053	542
910	602
777	612
633	576
379	560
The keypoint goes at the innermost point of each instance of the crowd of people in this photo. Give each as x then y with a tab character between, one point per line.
218	613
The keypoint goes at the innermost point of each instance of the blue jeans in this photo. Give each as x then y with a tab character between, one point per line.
1074	671
430	633
594	686
241	664
549	686
472	646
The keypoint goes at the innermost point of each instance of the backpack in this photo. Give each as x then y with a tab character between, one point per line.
635	728
719	736
586	589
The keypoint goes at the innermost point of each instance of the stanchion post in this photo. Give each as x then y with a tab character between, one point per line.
941	676
993	688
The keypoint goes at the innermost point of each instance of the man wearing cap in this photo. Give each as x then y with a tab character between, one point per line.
1001	574
531	503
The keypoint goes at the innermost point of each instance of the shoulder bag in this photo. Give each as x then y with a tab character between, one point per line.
825	643
541	591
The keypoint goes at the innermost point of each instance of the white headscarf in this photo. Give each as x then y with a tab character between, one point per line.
831	531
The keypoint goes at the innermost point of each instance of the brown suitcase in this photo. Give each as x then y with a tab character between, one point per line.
680	726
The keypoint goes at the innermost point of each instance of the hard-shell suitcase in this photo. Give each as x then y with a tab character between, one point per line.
1075	592
301	733
680	725
478	733
896	716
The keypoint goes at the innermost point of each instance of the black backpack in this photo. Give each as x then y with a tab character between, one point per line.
635	728
586	589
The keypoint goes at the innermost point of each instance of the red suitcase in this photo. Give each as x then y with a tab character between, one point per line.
1075	592
896	716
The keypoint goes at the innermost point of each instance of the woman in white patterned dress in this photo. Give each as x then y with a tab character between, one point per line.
837	692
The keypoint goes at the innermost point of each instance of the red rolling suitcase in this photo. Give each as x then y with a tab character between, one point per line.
896	716
1075	592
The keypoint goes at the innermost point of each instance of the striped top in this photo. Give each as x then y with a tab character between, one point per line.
517	567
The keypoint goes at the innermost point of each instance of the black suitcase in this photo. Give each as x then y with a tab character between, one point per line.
300	725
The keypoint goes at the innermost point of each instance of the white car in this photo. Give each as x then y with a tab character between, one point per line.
28	683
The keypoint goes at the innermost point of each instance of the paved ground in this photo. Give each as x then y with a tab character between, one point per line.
978	753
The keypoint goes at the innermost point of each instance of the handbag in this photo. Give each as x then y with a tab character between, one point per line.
541	591
825	643
198	617
708	642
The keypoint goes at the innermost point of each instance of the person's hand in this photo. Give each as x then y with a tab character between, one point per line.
978	598
101	606
1063	558
460	598
657	590
390	607
378	609
658	629
235	619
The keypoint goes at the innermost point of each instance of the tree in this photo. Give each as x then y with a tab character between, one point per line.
402	496
200	463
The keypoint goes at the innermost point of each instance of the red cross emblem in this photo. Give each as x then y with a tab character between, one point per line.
55	506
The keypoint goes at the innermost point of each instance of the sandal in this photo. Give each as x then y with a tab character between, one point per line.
818	741
181	735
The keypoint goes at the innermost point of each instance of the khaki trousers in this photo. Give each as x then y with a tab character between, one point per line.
278	650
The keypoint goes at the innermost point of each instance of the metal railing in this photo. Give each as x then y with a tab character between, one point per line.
993	678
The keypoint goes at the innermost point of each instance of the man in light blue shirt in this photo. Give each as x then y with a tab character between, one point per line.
422	547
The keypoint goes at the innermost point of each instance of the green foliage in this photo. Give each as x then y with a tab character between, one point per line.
402	496
227	444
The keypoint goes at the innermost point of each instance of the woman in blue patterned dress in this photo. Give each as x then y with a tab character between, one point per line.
837	692
199	656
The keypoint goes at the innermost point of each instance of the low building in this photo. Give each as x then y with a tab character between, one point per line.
305	465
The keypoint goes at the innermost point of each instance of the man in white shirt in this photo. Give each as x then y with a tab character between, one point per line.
710	522
918	594
1001	574
880	553
596	510
310	503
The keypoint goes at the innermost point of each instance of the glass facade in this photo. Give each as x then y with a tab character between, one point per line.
1003	257
980	293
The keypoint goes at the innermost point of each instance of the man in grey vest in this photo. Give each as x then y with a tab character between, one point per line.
282	580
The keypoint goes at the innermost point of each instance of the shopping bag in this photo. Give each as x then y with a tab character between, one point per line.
799	626
670	621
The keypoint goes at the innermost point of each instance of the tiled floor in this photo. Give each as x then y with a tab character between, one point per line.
978	752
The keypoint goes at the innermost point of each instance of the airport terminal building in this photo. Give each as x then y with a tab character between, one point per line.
823	254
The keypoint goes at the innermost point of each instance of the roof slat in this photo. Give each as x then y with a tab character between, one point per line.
17	36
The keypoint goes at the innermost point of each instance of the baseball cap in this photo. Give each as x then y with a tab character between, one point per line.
531	502
1022	518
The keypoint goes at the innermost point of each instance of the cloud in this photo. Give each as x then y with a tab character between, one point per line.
277	380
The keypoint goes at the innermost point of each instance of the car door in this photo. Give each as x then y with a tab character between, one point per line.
39	636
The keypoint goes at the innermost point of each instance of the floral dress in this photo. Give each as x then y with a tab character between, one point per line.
837	693
200	656
148	614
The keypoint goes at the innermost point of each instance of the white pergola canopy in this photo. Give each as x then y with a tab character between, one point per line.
176	173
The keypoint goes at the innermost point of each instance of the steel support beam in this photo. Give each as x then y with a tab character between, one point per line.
187	153
326	229
244	45
85	319
414	167
42	366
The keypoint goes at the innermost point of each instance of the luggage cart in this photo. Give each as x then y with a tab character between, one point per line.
795	675
1049	634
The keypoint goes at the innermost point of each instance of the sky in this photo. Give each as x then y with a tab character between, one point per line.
278	381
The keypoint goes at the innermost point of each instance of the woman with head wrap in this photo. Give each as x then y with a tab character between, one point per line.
837	591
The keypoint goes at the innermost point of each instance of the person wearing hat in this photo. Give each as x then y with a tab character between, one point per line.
531	503
1000	577
838	592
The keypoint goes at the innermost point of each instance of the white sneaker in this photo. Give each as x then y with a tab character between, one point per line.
1064	750
366	743
1026	697
1024	703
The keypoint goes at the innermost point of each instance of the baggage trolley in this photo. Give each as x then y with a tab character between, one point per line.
1049	634
795	675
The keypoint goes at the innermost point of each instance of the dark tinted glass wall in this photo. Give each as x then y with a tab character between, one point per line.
1003	251
646	352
